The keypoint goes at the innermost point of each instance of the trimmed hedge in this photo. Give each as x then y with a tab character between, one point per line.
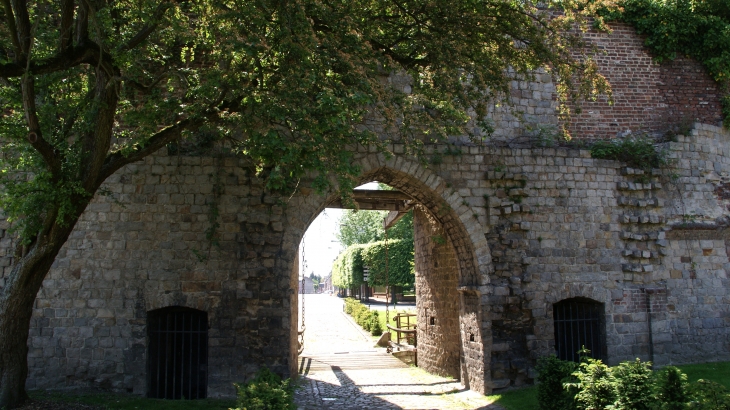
400	263
366	318
347	270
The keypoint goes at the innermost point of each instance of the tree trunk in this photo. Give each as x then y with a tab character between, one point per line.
16	309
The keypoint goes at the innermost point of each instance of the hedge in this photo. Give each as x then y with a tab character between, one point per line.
347	270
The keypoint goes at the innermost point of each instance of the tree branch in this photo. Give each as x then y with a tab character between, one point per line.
88	53
10	16
148	29
22	22
82	24
67	18
167	135
34	135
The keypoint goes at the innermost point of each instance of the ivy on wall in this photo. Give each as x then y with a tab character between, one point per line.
347	270
699	29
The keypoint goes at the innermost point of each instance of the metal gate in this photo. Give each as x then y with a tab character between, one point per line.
578	323
177	353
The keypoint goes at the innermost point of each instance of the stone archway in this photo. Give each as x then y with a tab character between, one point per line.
445	211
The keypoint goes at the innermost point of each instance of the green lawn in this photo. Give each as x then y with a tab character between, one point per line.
392	313
113	401
526	398
718	372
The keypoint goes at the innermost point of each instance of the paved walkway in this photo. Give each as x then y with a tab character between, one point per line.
341	368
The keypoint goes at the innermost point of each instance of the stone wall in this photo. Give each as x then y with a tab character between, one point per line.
144	247
437	298
524	227
565	225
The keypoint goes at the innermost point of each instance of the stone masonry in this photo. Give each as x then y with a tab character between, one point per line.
437	298
523	227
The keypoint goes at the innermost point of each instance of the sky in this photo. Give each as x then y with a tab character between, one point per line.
320	244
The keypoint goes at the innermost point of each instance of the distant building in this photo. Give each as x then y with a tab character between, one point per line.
308	286
326	284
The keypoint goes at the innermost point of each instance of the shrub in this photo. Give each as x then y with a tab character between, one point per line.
376	328
634	384
596	385
551	374
638	152
708	395
671	385
265	392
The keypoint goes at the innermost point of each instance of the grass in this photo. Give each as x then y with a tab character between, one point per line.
718	372
520	399
117	401
381	317
526	398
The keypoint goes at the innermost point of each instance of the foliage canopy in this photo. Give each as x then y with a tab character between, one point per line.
358	227
87	87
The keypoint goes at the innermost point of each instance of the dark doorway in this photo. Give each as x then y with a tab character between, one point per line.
177	353
578	322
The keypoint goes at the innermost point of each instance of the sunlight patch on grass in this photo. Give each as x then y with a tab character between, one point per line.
520	399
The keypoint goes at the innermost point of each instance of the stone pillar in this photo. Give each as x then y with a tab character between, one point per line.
437	298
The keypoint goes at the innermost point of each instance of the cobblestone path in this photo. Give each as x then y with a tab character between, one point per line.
341	368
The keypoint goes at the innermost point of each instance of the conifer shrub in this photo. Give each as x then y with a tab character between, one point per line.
634	385
551	374
375	327
592	385
671	389
596	385
708	395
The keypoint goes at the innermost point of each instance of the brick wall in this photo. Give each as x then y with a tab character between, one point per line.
647	96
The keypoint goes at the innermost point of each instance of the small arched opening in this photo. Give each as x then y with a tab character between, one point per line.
579	323
177	353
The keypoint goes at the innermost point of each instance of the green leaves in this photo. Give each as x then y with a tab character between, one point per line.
292	86
638	151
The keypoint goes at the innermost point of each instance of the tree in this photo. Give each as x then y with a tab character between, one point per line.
87	87
358	227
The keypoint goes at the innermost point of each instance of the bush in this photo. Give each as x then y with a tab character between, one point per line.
637	151
375	328
551	374
634	385
595	384
708	395
629	386
671	385
265	392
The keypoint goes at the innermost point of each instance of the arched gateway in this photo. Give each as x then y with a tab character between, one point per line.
454	337
525	226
